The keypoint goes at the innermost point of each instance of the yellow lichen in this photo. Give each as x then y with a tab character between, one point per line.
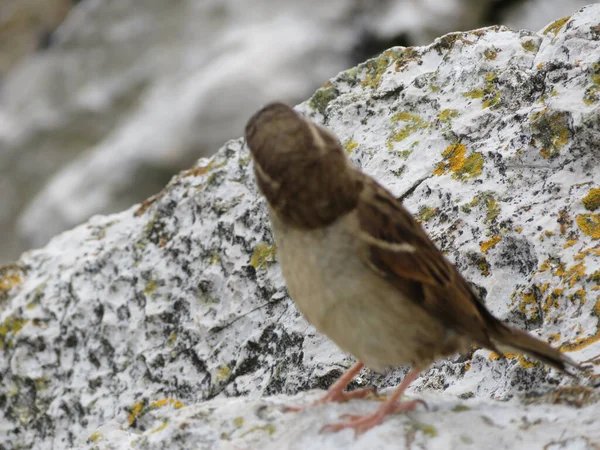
262	256
222	373
490	53
583	342
564	221
592	93
570	243
172	339
9	328
426	213
203	170
553	337
551	302
10	276
350	145
376	67
486	245
573	274
525	363
166	401
484	267
136	410
474	93
238	422
412	123
159	403
556	26
589	224
214	257
151	286
269	428
578	297
94	437
530	46
425	428
552	130
447	114
454	161
323	96
529	304
586	252
591	202
490	92
161	427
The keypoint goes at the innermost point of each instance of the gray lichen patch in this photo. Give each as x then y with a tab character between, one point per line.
552	130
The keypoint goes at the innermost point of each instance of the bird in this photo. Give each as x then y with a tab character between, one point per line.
362	270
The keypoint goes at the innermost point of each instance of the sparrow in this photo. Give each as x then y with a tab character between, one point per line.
359	267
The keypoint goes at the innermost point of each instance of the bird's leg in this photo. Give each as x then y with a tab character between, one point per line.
364	423
336	392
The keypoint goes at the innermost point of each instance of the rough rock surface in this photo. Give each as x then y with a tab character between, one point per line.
126	93
565	420
489	136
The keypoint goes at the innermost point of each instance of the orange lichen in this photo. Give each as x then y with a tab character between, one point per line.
455	161
166	401
554	337
573	274
525	363
589	224
578	296
136	410
529	304
584	253
591	201
486	245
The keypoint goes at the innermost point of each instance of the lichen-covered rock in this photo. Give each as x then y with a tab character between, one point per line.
565	419
490	138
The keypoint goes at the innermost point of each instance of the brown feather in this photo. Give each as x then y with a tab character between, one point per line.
430	280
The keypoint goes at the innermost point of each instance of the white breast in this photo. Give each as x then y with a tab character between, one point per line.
347	301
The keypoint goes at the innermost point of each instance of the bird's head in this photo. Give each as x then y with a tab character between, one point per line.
300	167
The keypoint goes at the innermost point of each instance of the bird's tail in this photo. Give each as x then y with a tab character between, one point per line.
509	339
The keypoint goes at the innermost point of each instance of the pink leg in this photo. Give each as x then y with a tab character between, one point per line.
336	392
364	423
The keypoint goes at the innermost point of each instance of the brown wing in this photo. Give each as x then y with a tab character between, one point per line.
400	250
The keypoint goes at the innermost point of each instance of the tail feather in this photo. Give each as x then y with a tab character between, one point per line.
509	338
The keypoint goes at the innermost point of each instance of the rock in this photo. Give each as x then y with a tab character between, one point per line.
490	137
242	423
120	97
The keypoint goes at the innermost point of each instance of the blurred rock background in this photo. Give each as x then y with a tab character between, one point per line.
102	101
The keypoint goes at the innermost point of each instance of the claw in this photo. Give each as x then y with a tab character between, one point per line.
360	424
337	397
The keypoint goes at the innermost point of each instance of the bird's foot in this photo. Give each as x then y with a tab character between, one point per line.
360	424
336	396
